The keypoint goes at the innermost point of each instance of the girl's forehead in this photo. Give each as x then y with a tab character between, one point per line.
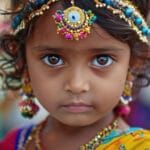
45	32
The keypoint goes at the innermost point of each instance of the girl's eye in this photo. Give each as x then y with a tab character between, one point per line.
53	60
102	61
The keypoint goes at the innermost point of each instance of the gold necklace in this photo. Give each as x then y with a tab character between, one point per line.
91	145
100	136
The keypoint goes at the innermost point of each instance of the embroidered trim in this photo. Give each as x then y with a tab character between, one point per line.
22	137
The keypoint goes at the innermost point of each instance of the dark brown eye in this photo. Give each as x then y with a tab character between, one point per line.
102	61
53	60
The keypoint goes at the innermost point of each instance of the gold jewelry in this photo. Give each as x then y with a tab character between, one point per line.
122	8
91	145
97	140
74	23
20	21
129	13
28	106
78	30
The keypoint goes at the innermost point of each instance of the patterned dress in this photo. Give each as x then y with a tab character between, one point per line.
131	139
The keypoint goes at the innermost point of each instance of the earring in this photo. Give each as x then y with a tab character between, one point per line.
123	108
27	107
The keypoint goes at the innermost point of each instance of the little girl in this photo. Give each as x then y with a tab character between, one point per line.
80	59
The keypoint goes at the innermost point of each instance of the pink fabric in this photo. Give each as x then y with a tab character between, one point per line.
8	143
4	26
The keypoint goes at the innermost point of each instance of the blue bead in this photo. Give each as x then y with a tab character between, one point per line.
17	19
39	2
13	25
128	11
108	2
145	30
94	18
114	4
138	21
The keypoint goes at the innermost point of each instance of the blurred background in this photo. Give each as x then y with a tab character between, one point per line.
10	117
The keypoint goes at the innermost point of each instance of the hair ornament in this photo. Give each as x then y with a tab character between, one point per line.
74	23
33	9
129	13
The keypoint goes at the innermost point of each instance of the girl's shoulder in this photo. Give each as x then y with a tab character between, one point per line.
132	138
16	139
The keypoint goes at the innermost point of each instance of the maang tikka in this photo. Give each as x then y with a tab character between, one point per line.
27	107
74	23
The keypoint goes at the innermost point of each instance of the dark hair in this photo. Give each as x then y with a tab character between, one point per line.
15	46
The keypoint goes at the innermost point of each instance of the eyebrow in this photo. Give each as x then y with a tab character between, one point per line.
55	49
44	47
105	49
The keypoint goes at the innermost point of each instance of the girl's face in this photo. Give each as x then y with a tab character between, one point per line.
78	82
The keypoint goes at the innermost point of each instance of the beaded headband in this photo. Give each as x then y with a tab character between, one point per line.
75	23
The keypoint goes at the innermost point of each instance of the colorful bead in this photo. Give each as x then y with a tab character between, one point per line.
144	30
108	2
128	12
39	2
94	18
83	35
101	135
69	36
58	18
138	21
63	30
123	110
28	108
89	12
124	9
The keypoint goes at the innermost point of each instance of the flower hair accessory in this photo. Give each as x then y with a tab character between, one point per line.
75	23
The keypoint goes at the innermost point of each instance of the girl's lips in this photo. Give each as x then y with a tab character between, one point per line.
77	107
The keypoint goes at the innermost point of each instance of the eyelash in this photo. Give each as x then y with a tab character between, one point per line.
60	61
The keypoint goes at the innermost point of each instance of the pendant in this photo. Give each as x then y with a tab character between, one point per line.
74	23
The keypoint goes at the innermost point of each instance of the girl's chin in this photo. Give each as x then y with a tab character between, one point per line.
76	122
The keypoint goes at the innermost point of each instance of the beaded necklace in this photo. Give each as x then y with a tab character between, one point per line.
91	145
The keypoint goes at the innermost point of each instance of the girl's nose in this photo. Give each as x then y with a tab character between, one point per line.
77	82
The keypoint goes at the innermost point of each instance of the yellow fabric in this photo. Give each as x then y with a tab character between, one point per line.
135	140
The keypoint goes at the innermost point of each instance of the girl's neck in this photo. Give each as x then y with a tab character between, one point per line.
54	125
56	133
